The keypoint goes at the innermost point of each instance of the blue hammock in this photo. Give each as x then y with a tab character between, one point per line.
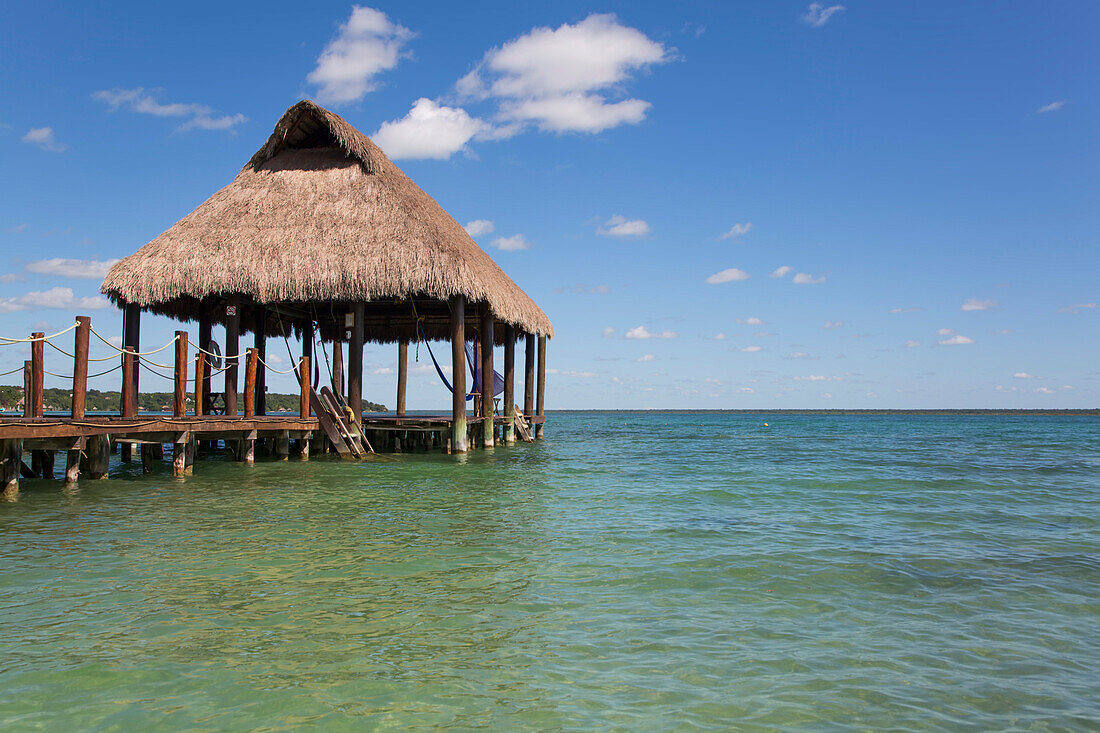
475	371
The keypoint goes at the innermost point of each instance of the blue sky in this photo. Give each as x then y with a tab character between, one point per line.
926	171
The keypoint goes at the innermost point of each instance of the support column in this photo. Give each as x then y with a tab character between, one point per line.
99	456
355	364
202	391
529	376
250	364
509	385
540	398
131	336
179	403
338	368
402	373
232	352
129	389
458	374
179	454
38	374
304	387
260	343
11	459
487	339
282	445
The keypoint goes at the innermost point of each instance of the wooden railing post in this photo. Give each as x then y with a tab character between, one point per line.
402	373
304	386
129	389
200	380
28	389
529	376
232	353
180	405
80	366
38	347
250	383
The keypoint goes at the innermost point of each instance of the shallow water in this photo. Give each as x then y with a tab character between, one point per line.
634	572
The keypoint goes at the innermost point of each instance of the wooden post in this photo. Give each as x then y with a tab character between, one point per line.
131	336
304	386
99	456
11	460
200	380
355	364
179	454
260	342
202	364
509	385
282	445
338	368
250	383
129	389
80	366
458	374
38	374
28	389
487	339
529	375
303	447
180	403
147	456
540	397
402	373
232	352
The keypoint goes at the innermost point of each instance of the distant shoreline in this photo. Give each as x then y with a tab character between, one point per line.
1076	412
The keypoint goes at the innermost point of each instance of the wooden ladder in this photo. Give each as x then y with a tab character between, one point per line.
522	427
344	433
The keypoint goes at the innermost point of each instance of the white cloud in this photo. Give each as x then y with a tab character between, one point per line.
646	358
751	349
477	227
798	355
973	304
80	269
620	226
833	324
12	277
512	243
727	276
381	371
608	332
818	378
904	310
945	332
912	344
429	130
782	271
115	341
818	15
752	321
44	138
1023	375
956	340
143	101
52	298
1052	107
572	373
803	278
746	390
556	78
737	230
641	332
719	337
1045	390
1077	308
368	44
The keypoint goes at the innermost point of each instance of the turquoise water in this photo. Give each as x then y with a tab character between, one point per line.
633	572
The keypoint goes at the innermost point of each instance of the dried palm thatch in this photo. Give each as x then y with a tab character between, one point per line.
320	217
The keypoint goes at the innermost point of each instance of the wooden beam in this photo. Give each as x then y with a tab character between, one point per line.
202	366
131	336
260	343
487	383
540	398
529	376
80	366
303	386
179	405
509	385
458	374
200	380
38	375
402	373
355	364
232	352
250	383
129	388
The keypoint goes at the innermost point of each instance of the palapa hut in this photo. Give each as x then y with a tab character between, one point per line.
320	233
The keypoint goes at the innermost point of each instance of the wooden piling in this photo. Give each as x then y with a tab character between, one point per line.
282	445
179	407
250	364
200	380
11	461
28	389
540	398
402	373
487	384
38	374
232	352
355	364
509	433
203	372
147	457
129	407
338	368
131	336
98	450
458	374
304	387
260	344
179	454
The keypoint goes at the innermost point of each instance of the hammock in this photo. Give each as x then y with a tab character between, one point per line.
498	381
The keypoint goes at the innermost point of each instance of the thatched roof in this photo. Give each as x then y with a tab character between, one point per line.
320	217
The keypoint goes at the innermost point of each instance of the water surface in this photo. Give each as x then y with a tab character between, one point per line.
634	572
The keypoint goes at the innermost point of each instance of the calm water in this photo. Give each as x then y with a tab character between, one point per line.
629	572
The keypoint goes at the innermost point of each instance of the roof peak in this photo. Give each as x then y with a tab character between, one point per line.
309	125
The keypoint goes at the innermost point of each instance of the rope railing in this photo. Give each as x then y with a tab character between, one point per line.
13	371
31	339
135	353
273	369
